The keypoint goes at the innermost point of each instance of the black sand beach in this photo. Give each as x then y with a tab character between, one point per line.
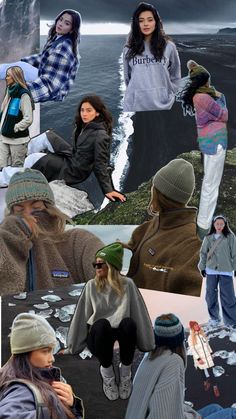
160	136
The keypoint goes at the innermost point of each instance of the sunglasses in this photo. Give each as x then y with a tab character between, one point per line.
98	265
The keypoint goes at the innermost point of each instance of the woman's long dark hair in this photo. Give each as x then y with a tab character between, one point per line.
135	41
186	96
19	366
226	230
104	114
75	32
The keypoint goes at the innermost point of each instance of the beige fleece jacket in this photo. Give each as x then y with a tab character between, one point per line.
55	264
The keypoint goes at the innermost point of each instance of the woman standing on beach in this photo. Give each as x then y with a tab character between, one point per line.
208	105
111	308
51	73
151	63
15	118
218	264
30	387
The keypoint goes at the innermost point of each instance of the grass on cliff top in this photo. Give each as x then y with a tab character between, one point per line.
134	210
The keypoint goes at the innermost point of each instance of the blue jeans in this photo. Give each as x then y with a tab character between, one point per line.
227	298
215	411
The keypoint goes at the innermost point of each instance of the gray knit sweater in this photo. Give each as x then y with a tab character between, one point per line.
158	391
94	305
151	84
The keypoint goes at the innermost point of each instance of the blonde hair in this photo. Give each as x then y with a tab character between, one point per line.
114	279
58	220
159	203
17	74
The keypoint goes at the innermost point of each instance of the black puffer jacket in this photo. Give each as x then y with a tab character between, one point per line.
90	152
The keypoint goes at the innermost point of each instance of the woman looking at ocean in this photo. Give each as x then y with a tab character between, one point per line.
151	63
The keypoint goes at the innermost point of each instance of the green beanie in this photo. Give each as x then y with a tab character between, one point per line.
195	69
27	185
30	332
176	180
113	254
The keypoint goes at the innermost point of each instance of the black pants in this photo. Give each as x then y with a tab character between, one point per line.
102	336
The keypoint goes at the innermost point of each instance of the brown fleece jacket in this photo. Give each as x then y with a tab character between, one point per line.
56	263
169	244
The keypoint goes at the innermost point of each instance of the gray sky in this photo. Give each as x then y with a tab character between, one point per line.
121	10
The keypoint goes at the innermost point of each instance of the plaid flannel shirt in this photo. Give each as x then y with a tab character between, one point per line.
57	67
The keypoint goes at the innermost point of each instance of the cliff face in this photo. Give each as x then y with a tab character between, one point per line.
134	211
19	29
227	31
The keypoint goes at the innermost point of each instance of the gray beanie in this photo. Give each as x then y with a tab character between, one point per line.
176	180
30	332
27	185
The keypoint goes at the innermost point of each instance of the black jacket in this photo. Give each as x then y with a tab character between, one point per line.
90	152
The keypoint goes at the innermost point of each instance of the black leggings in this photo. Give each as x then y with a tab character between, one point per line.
102	336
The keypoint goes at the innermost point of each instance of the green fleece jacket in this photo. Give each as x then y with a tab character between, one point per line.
224	256
54	263
94	305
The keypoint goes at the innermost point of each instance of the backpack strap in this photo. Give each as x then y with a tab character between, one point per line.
41	409
213	247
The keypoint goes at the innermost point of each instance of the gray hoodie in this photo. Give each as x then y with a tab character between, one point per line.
151	84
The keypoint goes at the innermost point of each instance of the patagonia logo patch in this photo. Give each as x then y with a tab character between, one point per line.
14	106
60	274
151	251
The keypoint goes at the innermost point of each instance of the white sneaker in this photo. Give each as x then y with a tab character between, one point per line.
125	386
110	387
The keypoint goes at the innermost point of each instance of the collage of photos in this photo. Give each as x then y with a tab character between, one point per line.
117	209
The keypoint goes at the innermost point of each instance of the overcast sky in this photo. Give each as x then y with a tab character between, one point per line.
121	10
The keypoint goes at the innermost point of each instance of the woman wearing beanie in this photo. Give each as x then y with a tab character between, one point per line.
159	384
111	308
208	105
30	386
166	249
218	265
36	250
151	63
15	118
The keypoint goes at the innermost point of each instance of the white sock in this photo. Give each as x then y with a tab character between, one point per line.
125	370
107	372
